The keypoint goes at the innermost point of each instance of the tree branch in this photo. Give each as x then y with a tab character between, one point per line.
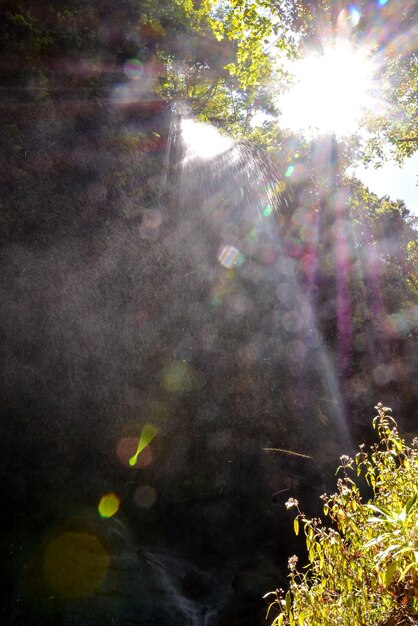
411	139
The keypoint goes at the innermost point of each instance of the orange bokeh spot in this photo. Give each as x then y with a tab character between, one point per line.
126	449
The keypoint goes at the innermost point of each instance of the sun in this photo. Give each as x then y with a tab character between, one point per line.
331	92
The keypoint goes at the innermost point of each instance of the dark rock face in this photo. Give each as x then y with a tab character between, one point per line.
150	286
196	585
146	588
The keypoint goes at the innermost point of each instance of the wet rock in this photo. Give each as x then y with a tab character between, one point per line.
196	585
255	579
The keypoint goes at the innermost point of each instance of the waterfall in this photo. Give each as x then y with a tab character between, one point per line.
155	587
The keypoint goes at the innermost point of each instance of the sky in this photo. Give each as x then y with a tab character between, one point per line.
397	182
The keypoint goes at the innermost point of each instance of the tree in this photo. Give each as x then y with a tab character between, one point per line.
351	246
363	568
225	60
268	33
389	228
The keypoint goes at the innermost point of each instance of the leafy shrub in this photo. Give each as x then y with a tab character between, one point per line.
363	568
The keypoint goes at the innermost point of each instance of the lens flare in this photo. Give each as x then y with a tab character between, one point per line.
126	449
354	16
180	377
149	432
145	496
109	505
268	210
229	256
75	564
133	69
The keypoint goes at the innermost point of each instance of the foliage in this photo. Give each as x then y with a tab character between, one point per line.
363	569
387	227
261	29
267	33
387	33
393	127
225	60
222	59
394	131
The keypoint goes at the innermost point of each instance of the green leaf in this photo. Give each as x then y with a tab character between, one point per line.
288	602
296	526
269	593
410	504
390	571
406	570
380	509
270	605
383	555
